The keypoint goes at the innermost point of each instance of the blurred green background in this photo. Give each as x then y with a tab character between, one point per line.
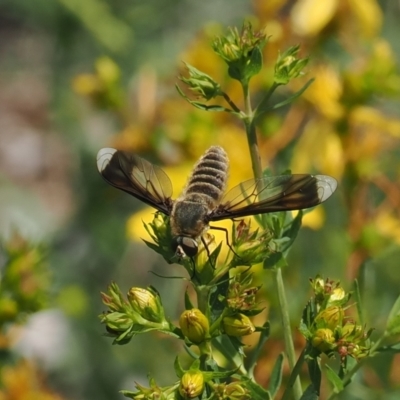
76	76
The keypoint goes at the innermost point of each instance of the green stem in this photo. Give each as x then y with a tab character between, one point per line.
230	102
251	134
293	378
287	332
257	171
203	293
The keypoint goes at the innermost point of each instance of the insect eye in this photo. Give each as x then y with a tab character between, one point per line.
185	246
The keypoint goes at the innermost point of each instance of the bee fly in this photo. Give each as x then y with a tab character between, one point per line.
204	200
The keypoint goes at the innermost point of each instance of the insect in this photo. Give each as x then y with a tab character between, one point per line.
204	200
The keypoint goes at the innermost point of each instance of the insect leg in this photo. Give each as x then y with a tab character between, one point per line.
207	249
218	228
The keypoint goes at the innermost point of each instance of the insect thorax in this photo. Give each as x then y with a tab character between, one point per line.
202	194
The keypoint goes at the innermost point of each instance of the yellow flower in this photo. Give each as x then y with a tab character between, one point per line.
369	16
309	17
326	91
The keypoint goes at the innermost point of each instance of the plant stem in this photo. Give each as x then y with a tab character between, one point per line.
293	378
251	134
257	171
287	333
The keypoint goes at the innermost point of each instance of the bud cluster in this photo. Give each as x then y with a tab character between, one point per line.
241	296
249	247
241	51
326	326
141	312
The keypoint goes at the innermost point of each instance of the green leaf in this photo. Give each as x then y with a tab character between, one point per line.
315	375
358	302
257	392
188	303
264	105
264	336
128	393
275	260
211	375
179	371
254	64
334	379
202	106
310	393
228	349
275	378
393	322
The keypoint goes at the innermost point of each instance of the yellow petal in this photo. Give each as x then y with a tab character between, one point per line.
309	17
369	16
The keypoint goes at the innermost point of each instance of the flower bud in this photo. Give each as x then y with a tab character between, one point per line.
192	384
146	303
323	339
331	317
238	325
201	83
231	391
289	66
337	295
194	325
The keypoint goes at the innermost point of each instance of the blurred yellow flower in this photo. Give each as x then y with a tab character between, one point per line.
23	381
388	225
309	17
369	16
314	219
319	148
86	84
326	91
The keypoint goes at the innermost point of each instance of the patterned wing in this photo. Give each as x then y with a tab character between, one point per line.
136	176
274	193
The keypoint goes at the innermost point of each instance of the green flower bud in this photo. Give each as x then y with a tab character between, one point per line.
194	325
250	246
146	303
238	325
236	391
288	66
192	384
323	340
331	317
201	83
231	391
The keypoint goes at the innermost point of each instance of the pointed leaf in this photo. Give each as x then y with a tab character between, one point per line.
310	393
334	379
315	374
393	322
358	301
188	303
179	371
276	376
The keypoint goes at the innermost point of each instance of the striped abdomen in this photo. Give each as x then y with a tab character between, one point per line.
202	194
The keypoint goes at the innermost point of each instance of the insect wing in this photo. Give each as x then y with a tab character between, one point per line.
136	176
274	193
